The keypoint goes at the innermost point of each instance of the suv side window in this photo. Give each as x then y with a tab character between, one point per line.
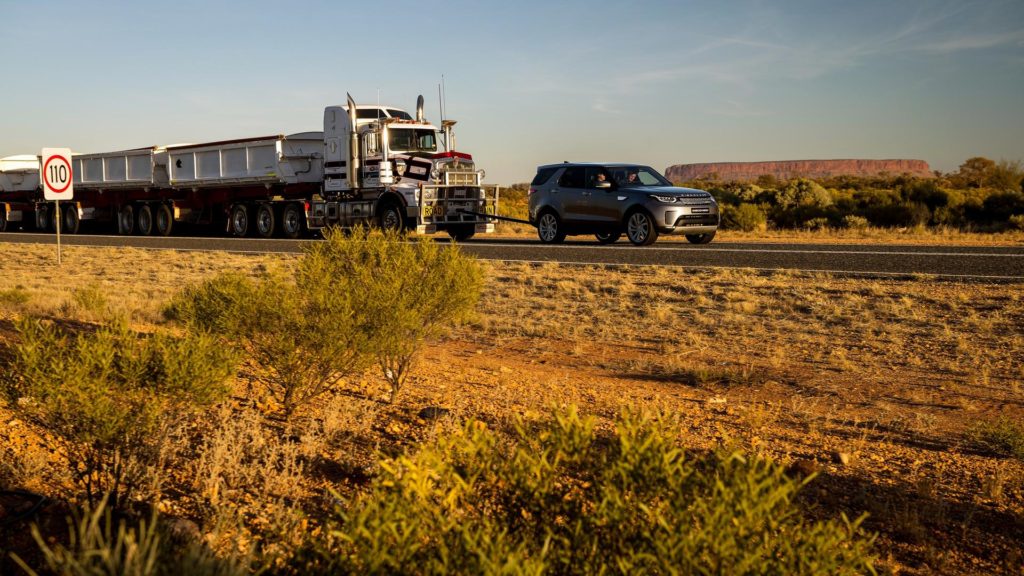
543	175
592	172
572	177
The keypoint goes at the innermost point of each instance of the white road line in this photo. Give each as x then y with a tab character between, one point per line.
794	270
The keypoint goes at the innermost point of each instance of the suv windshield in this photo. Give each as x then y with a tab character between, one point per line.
637	176
412	140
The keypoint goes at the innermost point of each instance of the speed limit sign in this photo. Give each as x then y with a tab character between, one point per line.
56	174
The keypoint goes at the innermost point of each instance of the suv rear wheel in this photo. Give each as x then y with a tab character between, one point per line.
549	228
640	228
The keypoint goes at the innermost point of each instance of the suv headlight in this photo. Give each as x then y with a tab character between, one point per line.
659	198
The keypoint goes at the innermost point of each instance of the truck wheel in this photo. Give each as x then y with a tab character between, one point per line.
265	221
240	220
43	218
126	220
462	233
144	220
3	218
549	228
292	221
164	220
700	238
640	228
71	221
390	217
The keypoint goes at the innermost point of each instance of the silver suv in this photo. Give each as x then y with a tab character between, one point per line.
608	199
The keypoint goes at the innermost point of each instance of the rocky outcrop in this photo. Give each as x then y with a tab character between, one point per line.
785	169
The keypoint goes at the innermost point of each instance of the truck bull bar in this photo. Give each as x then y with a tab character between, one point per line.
443	206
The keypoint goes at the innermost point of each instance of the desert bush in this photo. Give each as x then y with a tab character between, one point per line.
405	291
99	545
558	497
855	222
999	207
15	296
356	298
1017	222
303	339
802	192
745	217
1003	437
111	396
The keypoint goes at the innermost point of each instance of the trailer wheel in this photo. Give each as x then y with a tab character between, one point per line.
42	218
265	220
240	220
126	220
292	221
71	221
164	220
144	220
390	217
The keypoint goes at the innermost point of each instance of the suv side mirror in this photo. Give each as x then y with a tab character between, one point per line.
603	185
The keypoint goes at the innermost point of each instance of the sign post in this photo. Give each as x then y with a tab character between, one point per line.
58	182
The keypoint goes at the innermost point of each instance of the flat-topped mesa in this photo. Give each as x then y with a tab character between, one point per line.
786	169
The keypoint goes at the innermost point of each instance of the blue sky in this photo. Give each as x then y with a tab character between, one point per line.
530	82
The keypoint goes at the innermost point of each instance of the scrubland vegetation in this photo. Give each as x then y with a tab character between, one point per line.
547	419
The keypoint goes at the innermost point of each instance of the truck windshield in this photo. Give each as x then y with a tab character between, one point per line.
412	140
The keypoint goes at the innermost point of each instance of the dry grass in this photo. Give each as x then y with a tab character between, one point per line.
891	374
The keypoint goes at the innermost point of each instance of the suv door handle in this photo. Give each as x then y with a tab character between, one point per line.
587	193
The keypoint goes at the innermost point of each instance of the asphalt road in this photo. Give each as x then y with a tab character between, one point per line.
979	263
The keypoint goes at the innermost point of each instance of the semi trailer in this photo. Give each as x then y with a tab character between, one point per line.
372	165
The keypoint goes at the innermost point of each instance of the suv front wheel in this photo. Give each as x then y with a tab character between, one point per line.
640	229
549	228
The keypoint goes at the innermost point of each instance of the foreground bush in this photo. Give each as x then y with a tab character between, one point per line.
560	498
355	299
99	545
404	291
111	396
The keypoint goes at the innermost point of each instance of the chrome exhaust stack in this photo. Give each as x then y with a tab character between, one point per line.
354	169
419	109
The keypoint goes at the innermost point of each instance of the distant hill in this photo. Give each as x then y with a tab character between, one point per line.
785	169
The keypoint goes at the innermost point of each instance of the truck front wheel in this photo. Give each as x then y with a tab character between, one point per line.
390	217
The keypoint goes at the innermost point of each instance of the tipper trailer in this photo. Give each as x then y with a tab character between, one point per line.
370	165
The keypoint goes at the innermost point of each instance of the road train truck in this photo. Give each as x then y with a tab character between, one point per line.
371	165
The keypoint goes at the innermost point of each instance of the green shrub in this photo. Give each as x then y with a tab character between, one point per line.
15	296
404	291
356	299
303	339
1017	222
855	222
1003	437
110	396
745	217
561	498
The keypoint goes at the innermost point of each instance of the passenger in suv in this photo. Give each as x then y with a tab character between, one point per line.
607	200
